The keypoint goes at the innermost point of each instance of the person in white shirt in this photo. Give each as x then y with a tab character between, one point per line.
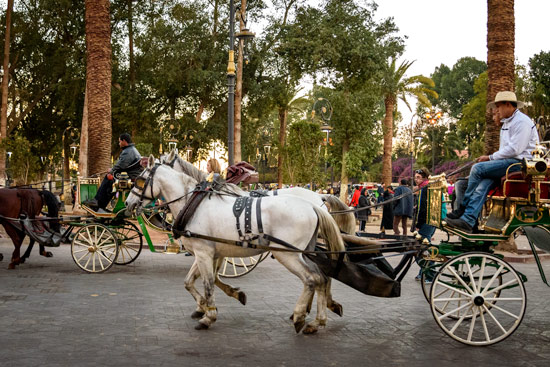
518	138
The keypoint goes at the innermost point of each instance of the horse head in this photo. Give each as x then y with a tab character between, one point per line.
157	181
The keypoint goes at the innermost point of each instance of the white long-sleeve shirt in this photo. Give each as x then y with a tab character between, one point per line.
518	137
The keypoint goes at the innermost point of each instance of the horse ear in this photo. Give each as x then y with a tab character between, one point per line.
151	161
171	155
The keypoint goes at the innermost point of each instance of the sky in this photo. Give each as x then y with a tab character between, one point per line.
443	31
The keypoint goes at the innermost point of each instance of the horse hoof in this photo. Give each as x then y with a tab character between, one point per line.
197	315
11	266
337	309
242	298
309	329
22	261
201	326
298	325
46	254
1	257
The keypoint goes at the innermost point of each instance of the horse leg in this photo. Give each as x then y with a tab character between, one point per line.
321	318
206	268
332	304
296	266
17	239
226	288
45	253
189	283
28	252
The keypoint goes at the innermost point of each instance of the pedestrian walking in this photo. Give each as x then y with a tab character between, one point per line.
363	215
387	212
402	208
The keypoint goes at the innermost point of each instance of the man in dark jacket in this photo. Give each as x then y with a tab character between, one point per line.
402	208
129	162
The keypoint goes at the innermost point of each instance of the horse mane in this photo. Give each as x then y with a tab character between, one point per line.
53	208
191	170
200	176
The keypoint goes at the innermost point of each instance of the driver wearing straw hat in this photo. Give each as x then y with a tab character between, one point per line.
518	138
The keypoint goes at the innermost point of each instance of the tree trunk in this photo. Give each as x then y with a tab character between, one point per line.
132	71
344	176
83	155
500	61
5	82
239	88
387	129
283	116
98	78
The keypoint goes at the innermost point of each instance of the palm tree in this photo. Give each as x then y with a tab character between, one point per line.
98	80
500	60
396	86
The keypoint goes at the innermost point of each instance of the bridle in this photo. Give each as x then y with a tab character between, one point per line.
141	183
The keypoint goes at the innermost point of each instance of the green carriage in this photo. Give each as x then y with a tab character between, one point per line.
476	297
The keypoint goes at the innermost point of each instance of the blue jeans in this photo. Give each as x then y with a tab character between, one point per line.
483	176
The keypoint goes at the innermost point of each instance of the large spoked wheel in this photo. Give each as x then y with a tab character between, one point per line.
130	243
94	248
234	267
478	299
461	269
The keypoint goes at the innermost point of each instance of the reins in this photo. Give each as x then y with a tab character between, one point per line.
395	198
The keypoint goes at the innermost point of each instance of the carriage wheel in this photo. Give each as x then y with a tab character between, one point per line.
461	270
94	248
485	301
130	243
233	267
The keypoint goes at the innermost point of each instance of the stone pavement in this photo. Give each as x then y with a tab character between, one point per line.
53	314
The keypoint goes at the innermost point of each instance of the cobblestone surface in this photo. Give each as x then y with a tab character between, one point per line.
53	314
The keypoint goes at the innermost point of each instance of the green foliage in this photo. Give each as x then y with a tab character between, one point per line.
23	166
302	153
540	75
471	126
455	86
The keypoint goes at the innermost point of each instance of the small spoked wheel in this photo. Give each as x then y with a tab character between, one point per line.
233	267
94	248
130	242
478	299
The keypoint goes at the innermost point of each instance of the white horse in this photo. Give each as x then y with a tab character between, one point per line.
345	221
287	219
346	224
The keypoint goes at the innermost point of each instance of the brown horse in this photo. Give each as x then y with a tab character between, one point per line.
15	203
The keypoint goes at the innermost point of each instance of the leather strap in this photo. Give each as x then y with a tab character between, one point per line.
259	215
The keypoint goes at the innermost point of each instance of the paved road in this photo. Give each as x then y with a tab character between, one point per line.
53	314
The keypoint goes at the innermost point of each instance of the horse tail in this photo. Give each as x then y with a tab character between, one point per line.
53	208
345	221
329	231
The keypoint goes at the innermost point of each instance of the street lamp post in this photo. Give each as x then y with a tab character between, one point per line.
433	117
245	34
325	110
74	136
411	143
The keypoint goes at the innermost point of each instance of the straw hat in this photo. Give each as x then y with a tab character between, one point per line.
505	96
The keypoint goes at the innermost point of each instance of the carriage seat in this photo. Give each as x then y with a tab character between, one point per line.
517	189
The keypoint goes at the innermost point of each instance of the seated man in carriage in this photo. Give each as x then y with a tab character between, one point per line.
518	138
129	162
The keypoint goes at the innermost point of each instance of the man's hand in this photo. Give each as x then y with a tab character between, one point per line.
483	158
